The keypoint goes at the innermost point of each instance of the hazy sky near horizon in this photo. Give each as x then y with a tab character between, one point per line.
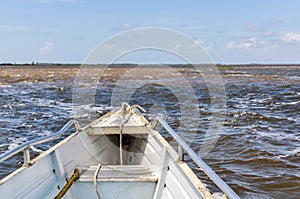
257	31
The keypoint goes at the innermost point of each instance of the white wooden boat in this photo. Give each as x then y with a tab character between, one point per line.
119	155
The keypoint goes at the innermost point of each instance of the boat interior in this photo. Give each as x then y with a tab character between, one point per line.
120	155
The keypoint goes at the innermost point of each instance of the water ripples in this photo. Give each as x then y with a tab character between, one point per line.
258	152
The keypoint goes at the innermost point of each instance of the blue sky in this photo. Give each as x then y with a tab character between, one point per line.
257	31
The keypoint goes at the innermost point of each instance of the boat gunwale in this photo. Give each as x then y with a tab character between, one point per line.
183	165
152	132
39	157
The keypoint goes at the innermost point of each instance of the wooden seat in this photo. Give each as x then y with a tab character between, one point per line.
134	173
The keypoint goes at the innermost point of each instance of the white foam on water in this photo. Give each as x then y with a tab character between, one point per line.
16	142
296	152
290	103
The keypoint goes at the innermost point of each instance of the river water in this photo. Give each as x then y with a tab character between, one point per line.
257	152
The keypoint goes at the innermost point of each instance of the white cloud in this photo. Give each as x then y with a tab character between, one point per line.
291	38
244	44
178	47
249	43
231	45
267	34
125	26
46	47
198	43
260	30
202	43
121	27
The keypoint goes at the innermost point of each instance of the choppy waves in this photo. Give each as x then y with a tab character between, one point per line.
258	152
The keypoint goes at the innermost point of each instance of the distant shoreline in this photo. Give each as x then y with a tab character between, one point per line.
58	72
130	65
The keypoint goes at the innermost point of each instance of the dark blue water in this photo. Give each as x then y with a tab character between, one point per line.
258	153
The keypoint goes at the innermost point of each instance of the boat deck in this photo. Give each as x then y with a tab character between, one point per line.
137	163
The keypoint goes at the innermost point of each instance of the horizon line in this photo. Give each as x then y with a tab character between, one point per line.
128	63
